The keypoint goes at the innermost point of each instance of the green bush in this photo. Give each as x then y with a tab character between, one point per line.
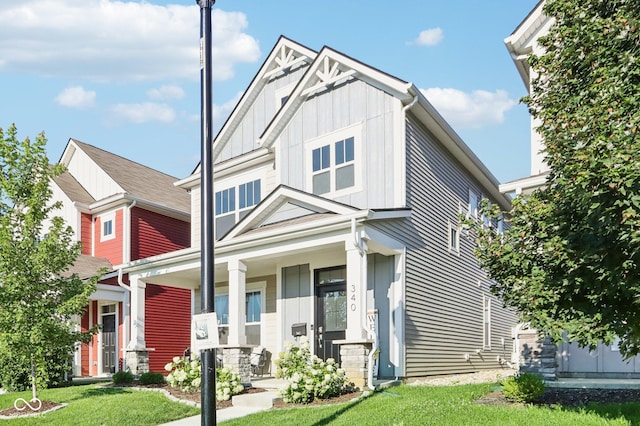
309	377
151	379
524	387
15	371
123	378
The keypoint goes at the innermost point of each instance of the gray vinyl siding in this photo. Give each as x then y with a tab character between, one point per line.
259	115
351	103
444	290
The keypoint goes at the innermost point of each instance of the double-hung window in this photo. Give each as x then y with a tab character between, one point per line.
333	162
254	306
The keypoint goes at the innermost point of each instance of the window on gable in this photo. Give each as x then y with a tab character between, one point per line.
108	226
249	194
333	166
225	201
344	164
321	173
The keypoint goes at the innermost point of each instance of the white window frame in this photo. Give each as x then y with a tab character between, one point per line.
105	218
474	203
453	232
331	139
260	286
486	322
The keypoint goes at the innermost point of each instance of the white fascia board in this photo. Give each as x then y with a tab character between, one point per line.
108	292
281	196
389	214
295	231
231	166
161	260
525	185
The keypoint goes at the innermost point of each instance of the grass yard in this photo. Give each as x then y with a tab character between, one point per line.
96	405
445	405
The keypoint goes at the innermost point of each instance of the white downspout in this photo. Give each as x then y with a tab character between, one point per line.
126	312
410	104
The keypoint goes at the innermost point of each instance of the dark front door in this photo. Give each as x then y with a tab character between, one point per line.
109	343
331	311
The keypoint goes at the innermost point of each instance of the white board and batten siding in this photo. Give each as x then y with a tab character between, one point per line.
94	180
258	116
444	289
352	108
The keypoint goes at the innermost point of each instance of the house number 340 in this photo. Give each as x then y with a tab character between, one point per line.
353	306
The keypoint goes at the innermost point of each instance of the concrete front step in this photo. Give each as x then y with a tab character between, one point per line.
255	400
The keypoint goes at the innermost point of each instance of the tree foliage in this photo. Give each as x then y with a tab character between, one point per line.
38	296
571	258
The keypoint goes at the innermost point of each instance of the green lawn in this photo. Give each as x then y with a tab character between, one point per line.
401	405
450	405
96	405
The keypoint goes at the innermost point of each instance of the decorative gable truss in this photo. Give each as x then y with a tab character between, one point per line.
329	73
286	58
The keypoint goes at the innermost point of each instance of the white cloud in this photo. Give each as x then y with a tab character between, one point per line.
109	40
429	37
144	112
464	110
166	92
76	97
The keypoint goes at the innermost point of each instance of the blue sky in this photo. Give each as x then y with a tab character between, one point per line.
124	75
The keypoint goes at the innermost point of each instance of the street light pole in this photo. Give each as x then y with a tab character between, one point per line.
207	286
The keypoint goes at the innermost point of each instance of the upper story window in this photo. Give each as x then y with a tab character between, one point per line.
249	194
225	201
230	209
108	226
333	162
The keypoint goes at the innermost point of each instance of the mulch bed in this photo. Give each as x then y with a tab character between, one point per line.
570	397
45	408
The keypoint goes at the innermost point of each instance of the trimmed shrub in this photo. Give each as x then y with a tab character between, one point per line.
123	378
523	387
151	379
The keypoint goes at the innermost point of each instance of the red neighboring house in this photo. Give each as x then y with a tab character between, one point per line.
123	211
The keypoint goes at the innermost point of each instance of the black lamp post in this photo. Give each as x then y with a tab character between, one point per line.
207	288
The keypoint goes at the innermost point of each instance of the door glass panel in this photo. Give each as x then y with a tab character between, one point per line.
335	305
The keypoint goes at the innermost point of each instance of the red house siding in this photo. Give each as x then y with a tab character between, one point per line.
153	234
86	236
84	347
167	324
110	249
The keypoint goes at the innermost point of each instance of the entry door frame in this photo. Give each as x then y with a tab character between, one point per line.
319	290
101	315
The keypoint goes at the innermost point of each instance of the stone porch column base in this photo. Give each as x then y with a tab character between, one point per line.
354	359
137	360
237	359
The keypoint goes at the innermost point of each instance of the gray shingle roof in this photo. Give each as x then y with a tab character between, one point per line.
139	181
86	266
70	186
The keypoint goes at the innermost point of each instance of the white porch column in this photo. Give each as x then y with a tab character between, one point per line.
138	289
237	303
356	291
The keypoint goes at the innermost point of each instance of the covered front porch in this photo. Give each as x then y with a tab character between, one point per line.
332	277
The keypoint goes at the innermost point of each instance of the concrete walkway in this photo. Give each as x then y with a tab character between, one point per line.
578	383
243	405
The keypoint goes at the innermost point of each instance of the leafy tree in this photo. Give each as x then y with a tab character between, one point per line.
38	296
571	258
